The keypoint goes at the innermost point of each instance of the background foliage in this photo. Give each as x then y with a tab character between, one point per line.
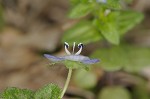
104	22
108	20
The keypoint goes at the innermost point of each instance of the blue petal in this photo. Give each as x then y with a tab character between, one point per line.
53	58
76	57
90	61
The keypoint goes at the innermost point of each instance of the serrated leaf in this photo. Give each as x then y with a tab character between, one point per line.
129	58
114	92
50	91
128	19
83	32
80	10
16	93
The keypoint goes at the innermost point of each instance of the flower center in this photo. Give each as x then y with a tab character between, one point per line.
80	46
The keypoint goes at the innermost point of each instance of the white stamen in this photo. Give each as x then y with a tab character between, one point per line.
66	43
79	44
74	44
79	49
66	49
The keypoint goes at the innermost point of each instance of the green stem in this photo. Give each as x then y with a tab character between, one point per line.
66	83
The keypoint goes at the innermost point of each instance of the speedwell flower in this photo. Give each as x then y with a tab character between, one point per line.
75	57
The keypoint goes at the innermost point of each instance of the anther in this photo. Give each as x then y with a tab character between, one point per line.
66	48
66	44
80	46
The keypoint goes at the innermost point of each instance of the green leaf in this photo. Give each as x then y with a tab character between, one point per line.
80	10
50	91
107	24
129	58
16	93
138	58
114	4
74	2
83	32
110	58
110	4
114	92
110	32
128	19
85	79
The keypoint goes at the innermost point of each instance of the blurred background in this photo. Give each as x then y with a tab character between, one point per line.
30	28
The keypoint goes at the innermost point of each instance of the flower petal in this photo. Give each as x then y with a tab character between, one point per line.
90	61
76	57
53	58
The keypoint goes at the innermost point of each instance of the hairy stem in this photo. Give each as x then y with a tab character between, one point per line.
66	83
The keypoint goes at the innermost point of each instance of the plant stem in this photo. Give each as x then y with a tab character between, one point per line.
66	83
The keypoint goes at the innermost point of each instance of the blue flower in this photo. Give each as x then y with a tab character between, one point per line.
75	57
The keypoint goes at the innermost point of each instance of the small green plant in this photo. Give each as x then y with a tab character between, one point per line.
72	61
52	91
109	20
99	20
